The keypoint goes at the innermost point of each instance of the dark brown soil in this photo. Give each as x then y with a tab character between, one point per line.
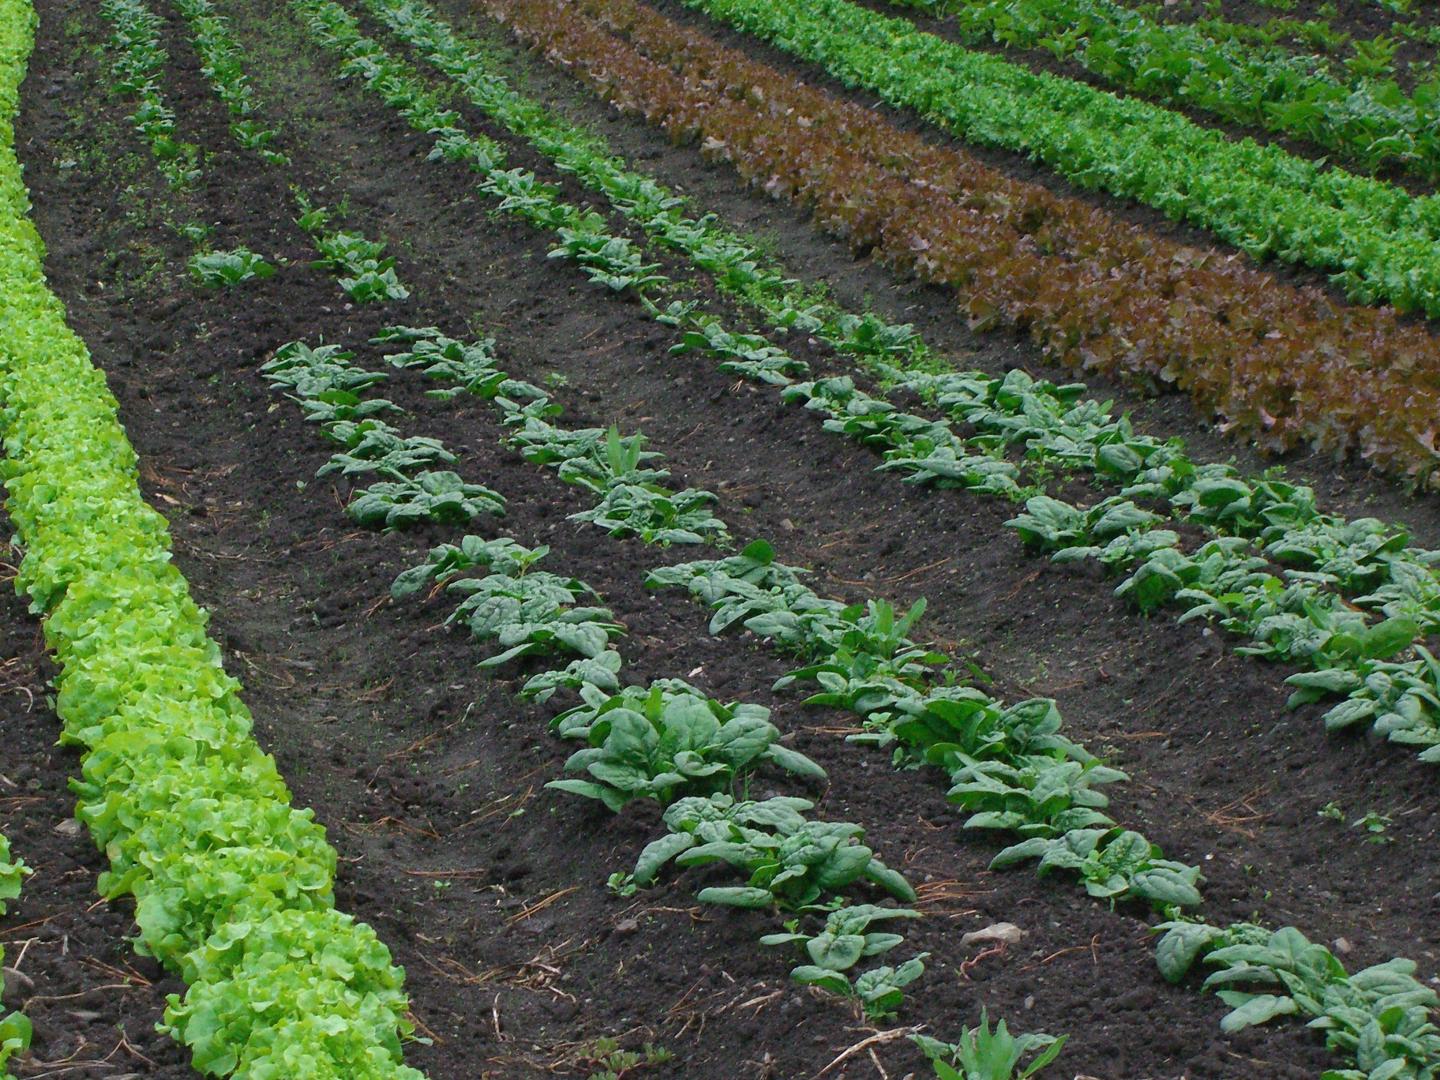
429	773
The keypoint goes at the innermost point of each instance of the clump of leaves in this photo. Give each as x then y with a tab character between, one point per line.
365	275
536	613
1037	796
229	268
612	261
441	497
502	555
600	672
672	740
657	515
1375	824
788	861
1113	864
846	940
985	1054
1380	1015
375	446
617	1064
467	367
12	873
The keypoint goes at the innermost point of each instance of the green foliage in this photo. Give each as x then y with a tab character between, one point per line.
749	355
668	742
584	674
503	555
615	1064
1374	237
844	941
375	446
1365	117
785	860
443	497
137	63
222	62
15	1035
328	387
532	614
14	1027
1009	767
216	268
1380	1016
12	873
232	885
468	367
633	499
983	1054
612	261
1112	863
366	275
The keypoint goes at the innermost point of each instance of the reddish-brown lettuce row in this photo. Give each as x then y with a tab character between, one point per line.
1280	365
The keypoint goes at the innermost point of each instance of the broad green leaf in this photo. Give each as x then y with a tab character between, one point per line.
824	978
736	896
1254	1009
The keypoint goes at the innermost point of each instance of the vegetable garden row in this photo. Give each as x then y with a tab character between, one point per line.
571	749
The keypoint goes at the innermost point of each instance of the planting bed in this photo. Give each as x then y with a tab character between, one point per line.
429	772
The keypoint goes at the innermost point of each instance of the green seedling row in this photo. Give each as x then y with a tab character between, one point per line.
1367	118
15	1028
666	742
233	886
1375	239
1329	556
139	60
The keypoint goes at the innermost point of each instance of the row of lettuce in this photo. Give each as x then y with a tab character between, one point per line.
1365	118
1283	366
1373	238
1309	31
1000	758
233	885
16	40
1319	31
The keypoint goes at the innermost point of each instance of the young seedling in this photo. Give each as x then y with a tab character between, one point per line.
983	1054
229	268
845	940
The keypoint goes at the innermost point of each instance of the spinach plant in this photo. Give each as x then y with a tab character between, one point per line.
503	555
442	497
671	741
217	268
787	861
467	367
375	446
1113	863
533	614
1381	1015
983	1054
844	941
